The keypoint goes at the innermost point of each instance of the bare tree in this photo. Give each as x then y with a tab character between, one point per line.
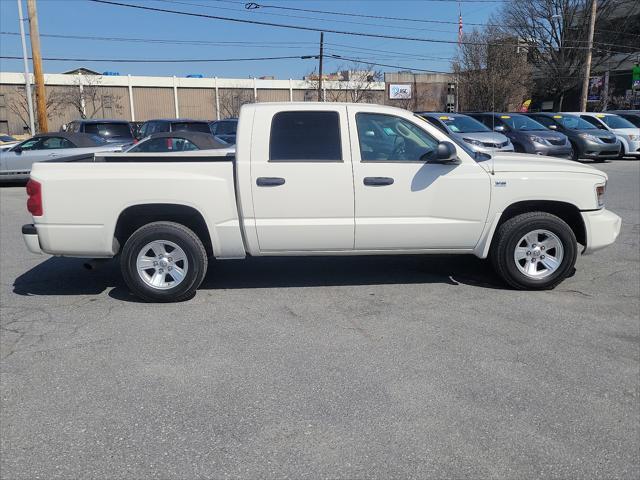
556	34
231	100
20	107
88	98
492	72
356	84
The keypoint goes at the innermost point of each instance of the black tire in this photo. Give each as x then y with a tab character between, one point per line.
177	234
505	243
517	148
575	153
622	152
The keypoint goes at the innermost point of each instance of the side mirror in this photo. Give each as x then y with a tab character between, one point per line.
445	153
553	127
17	149
499	128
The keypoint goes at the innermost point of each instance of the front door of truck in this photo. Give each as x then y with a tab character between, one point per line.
301	179
401	200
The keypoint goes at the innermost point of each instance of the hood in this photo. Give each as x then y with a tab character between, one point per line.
547	134
626	131
521	162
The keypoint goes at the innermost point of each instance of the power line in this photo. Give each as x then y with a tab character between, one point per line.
200	5
254	6
282	25
161	60
356	60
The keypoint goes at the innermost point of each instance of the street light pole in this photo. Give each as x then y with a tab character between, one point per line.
27	79
320	66
587	68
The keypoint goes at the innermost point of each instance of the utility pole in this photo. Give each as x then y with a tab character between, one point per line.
41	96
27	79
320	66
587	68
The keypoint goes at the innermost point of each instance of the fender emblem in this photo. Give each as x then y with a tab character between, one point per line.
501	183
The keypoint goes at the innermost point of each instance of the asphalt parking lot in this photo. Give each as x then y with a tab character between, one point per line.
385	367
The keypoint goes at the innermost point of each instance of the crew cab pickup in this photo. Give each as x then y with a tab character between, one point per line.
320	179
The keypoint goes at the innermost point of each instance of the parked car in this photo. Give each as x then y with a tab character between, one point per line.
173	125
173	142
113	131
632	116
225	129
586	140
464	128
16	163
527	135
627	132
320	179
6	142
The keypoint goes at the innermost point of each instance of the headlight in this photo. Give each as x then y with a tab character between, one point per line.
600	189
473	142
540	140
634	138
588	136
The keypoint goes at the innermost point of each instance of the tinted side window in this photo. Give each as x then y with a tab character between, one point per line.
305	136
53	143
167	144
544	120
593	121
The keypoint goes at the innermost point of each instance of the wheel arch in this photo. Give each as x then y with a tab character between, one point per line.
136	216
568	212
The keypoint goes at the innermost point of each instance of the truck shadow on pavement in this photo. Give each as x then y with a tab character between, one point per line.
67	276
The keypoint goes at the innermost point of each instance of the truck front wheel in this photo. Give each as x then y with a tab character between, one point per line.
163	262
534	251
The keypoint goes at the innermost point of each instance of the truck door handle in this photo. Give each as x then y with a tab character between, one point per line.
377	181
269	181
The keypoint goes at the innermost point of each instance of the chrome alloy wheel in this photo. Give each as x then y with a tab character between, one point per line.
162	264
538	254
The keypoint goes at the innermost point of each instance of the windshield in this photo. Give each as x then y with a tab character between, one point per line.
614	121
7	138
521	123
573	122
462	124
191	127
109	130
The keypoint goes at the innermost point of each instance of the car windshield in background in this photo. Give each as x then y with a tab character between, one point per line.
191	127
521	123
573	122
463	124
98	139
7	138
614	121
109	130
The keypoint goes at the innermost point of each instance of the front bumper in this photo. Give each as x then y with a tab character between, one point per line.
30	236
595	150
634	149
563	151
602	228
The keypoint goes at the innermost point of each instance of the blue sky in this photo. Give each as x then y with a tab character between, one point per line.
83	18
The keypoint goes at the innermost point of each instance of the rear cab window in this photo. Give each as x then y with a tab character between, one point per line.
190	127
305	136
109	130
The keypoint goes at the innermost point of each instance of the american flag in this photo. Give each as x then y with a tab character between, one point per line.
460	29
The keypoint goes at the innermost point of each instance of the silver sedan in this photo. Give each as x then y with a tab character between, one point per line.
15	163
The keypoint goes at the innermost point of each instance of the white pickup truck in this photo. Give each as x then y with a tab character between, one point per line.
319	179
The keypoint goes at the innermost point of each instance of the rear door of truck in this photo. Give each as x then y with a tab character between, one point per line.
302	178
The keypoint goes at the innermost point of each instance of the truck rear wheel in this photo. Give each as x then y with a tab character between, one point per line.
534	251
163	262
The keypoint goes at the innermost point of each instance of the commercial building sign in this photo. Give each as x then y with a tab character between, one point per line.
399	92
635	71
